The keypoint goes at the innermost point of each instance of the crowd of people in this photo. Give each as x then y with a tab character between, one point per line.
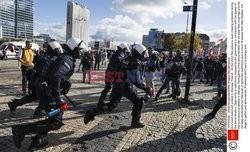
46	76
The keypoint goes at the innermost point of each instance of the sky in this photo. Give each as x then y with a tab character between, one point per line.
128	20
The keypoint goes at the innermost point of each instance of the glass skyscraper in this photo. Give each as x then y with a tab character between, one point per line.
16	18
24	18
7	18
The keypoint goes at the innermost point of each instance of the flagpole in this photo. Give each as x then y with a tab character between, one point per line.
187	22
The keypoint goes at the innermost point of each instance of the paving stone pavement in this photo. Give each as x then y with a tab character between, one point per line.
170	126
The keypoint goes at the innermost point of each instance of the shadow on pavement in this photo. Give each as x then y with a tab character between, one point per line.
185	140
61	138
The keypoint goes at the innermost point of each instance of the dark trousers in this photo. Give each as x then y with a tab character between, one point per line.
97	65
85	71
131	94
220	87
209	75
107	88
175	86
24	70
24	100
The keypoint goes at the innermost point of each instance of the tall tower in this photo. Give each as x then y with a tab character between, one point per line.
77	22
7	18
24	19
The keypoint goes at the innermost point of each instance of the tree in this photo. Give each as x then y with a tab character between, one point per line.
169	41
186	42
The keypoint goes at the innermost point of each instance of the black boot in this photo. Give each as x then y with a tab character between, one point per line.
12	106
89	116
38	141
136	123
18	135
38	113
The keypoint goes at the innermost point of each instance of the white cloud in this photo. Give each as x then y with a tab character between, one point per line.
214	34
120	29
146	10
204	5
55	30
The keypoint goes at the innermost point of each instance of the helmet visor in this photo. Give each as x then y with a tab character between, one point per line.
145	54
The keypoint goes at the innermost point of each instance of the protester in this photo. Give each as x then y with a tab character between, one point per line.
199	70
87	62
97	60
173	71
209	67
151	67
26	63
220	74
104	58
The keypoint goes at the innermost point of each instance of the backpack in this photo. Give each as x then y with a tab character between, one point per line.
173	69
86	62
152	65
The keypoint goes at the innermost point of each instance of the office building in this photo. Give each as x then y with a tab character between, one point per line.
7	18
154	39
77	22
16	18
24	19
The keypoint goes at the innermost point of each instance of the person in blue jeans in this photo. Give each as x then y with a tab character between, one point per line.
220	75
173	71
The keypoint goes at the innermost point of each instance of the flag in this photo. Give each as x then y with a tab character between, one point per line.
11	47
211	52
218	53
220	40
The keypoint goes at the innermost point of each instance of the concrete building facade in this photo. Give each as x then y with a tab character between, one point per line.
77	22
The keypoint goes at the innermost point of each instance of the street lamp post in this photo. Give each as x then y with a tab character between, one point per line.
191	51
25	31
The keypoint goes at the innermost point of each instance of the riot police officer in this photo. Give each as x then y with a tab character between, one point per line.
123	86
48	93
40	63
113	66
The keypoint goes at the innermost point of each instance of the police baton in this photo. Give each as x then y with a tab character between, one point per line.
69	100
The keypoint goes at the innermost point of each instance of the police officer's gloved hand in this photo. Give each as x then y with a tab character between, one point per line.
58	101
149	91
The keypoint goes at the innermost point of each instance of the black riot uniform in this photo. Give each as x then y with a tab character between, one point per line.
58	71
113	66
123	87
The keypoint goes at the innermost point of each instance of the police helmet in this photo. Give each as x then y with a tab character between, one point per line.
54	48
124	46
139	51
76	46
